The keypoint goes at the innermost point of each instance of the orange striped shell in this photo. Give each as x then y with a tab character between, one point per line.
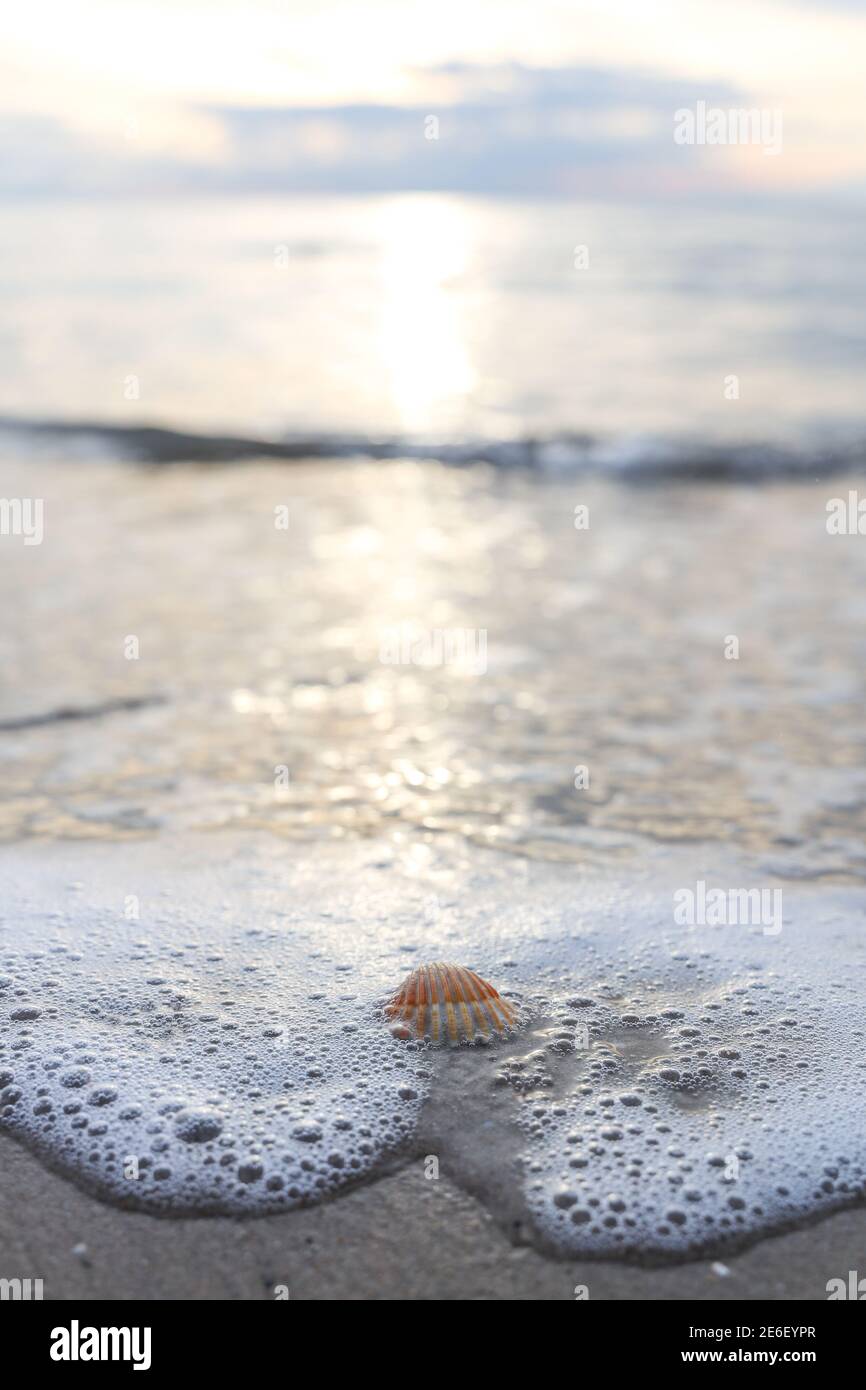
447	1003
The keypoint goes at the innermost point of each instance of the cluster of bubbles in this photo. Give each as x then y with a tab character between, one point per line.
690	1117
665	1092
218	1070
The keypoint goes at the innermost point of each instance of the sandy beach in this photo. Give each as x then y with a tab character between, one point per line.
154	857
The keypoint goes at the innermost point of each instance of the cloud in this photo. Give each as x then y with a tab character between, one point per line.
498	129
503	129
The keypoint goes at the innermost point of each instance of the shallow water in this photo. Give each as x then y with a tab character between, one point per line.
296	822
604	649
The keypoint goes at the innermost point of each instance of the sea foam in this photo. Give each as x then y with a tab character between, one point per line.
672	1089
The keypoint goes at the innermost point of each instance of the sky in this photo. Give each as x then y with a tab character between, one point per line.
553	98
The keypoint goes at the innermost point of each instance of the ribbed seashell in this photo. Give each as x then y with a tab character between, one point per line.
448	1003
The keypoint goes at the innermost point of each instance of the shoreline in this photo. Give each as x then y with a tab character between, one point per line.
213	938
324	1252
216	935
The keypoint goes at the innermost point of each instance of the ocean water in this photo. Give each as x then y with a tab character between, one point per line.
288	717
444	319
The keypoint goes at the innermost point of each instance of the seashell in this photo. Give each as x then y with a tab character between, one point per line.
447	1003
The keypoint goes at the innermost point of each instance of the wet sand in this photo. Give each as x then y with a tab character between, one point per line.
373	1243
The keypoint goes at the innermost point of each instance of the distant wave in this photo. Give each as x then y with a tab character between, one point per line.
636	458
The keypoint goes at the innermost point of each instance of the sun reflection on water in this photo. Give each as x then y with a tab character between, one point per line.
426	247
